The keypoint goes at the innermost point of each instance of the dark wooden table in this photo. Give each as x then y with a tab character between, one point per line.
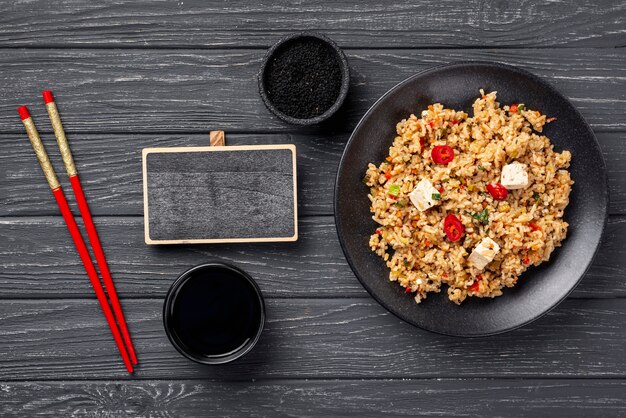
135	74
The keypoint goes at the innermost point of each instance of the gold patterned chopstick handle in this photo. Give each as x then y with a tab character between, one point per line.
59	133
39	149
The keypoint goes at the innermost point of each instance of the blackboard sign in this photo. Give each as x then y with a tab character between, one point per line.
220	194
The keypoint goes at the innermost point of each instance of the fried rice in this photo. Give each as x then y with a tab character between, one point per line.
528	225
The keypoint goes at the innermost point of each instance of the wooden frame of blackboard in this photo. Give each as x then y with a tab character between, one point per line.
147	151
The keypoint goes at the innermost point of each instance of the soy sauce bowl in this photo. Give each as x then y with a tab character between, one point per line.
214	313
343	66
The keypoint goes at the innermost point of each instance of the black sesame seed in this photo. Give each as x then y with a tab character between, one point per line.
303	79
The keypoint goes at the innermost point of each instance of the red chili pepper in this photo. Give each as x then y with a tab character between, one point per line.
422	143
534	227
527	261
474	287
454	122
440	189
513	108
387	175
407	290
442	154
445	275
453	227
379	232
479	277
392	197
431	123
497	191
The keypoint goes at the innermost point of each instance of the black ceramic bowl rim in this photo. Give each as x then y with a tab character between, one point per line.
373	108
167	315
343	91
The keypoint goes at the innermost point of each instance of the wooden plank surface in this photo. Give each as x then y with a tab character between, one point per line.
133	74
405	23
468	398
313	338
165	91
115	186
39	261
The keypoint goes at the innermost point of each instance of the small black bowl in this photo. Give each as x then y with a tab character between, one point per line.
345	79
214	313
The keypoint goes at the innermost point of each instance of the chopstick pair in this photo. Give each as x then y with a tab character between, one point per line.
123	341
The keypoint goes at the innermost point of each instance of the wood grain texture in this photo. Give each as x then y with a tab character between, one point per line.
216	138
115	188
39	261
130	74
312	338
166	91
405	23
295	398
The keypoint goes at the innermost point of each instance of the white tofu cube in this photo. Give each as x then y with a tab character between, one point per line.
484	253
514	176
422	195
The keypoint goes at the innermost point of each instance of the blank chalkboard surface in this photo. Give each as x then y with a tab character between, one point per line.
220	194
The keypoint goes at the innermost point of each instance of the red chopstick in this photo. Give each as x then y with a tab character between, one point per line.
57	191
70	167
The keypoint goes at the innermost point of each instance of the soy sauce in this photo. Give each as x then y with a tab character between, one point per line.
216	312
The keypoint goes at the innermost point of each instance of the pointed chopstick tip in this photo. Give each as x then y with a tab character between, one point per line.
47	96
23	111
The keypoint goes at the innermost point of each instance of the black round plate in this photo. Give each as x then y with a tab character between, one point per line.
540	288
